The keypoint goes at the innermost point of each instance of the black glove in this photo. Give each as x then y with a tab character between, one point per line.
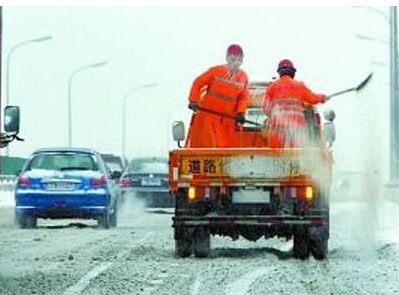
193	106
240	118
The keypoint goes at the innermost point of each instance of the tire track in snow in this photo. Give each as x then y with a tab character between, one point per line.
93	273
243	283
195	288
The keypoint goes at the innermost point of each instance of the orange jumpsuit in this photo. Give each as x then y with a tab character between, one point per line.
284	103
224	93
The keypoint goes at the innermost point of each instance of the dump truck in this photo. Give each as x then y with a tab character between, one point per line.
251	190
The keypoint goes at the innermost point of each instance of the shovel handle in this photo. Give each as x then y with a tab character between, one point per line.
226	116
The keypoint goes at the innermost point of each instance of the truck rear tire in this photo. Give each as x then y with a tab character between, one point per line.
202	243
319	242
301	243
183	243
319	249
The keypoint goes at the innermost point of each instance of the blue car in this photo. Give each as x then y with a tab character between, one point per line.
66	183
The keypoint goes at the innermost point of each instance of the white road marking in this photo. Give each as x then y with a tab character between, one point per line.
85	280
242	284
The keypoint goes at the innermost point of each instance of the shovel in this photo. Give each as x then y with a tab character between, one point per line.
357	88
226	116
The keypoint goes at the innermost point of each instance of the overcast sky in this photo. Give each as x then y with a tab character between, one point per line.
170	46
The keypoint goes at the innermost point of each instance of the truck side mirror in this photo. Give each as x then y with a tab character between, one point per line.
329	128
11	119
178	131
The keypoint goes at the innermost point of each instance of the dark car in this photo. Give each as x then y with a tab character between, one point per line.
113	162
147	178
66	183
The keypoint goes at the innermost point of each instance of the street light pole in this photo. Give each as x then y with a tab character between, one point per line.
393	89
70	80
8	67
376	10
126	96
394	96
12	50
368	38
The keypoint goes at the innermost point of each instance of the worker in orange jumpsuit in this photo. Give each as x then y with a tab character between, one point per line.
284	104
222	89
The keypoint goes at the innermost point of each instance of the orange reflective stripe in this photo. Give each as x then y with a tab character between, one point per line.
221	95
229	81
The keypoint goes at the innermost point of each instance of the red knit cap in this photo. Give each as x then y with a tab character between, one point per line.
235	49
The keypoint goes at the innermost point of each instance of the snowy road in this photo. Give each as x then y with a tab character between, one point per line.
74	257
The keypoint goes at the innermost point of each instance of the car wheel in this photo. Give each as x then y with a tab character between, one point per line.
26	220
104	220
114	218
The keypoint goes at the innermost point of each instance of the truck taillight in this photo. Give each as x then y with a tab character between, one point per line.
302	192
196	193
191	193
309	193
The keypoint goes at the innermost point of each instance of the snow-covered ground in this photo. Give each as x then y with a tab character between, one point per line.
74	257
6	199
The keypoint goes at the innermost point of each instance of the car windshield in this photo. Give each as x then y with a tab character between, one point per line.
146	167
63	161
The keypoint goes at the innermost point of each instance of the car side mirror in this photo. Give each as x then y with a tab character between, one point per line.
116	174
178	131
329	128
11	119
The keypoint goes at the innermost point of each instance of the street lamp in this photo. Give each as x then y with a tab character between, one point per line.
379	63
394	89
12	50
70	80
368	38
126	96
376	10
8	65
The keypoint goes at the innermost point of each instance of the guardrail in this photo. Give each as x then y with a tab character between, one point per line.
7	182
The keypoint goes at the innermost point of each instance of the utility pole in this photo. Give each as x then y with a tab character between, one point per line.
1	53
394	96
